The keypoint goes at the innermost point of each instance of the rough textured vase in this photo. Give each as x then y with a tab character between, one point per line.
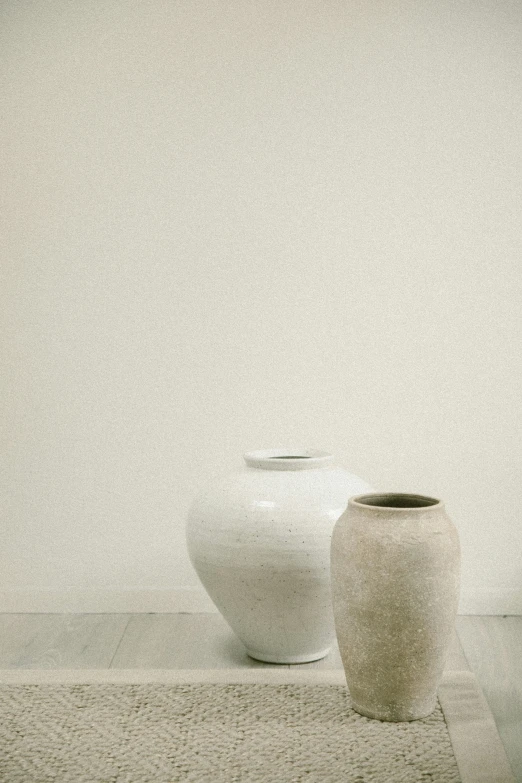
395	565
259	541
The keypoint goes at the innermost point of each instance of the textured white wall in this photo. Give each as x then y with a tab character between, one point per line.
229	225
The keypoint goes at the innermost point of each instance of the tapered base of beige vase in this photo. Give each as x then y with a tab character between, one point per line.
288	658
396	714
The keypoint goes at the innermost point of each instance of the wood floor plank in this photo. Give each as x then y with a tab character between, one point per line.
493	647
331	661
205	641
180	641
456	660
60	641
150	640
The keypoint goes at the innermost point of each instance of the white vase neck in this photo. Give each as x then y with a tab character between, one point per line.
288	459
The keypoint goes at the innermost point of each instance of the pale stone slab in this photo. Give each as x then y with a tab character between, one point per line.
493	646
181	641
60	640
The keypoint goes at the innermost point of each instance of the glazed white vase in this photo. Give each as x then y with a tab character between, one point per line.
395	562
259	541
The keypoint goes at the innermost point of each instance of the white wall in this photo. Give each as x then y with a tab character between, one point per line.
229	225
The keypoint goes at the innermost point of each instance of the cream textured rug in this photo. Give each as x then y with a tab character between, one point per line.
227	726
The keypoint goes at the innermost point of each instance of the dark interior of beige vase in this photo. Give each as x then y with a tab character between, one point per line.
398	501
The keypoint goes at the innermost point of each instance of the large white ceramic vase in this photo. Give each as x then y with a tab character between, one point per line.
259	541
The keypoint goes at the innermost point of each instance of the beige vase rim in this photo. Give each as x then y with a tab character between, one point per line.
396	502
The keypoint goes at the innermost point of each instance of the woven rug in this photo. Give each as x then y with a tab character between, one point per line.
228	726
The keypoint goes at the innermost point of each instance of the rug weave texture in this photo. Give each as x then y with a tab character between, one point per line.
221	733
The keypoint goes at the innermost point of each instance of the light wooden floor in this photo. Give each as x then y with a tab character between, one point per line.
491	647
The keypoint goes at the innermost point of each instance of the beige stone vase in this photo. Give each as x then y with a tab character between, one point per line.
395	570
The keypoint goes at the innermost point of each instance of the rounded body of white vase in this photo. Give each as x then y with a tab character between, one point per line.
259	541
395	567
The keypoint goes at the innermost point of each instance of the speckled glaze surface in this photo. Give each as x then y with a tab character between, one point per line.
395	565
259	540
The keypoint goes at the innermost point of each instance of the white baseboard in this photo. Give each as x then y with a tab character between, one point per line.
192	600
106	601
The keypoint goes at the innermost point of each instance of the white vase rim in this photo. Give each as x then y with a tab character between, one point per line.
288	459
396	502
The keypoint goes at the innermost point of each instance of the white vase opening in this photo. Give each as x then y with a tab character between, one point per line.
288	459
